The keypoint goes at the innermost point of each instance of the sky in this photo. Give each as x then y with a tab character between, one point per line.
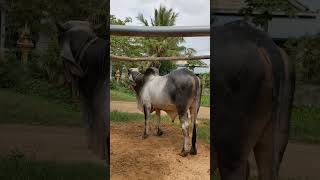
191	13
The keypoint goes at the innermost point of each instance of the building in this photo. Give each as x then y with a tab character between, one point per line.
281	27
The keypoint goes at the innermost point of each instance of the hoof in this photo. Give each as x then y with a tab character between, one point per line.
184	153
159	132
193	151
144	136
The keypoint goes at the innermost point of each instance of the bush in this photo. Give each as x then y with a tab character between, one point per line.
205	78
42	76
122	86
305	52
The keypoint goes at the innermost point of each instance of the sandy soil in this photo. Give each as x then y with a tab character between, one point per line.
131	107
155	157
152	158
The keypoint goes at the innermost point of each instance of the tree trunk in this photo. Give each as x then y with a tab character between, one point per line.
3	34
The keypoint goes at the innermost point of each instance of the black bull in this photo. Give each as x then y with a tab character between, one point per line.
87	67
252	92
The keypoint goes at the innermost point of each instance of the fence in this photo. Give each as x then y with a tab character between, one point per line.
156	31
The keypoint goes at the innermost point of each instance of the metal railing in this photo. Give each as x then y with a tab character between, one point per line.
156	31
153	31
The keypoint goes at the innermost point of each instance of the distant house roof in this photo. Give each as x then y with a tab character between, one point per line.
281	27
232	7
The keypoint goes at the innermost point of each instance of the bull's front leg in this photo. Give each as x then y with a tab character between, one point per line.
146	111
185	130
158	131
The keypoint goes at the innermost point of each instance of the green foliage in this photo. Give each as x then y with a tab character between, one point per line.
163	46
126	46
15	166
40	14
166	67
205	79
121	86
48	65
262	11
305	124
17	108
191	64
305	52
40	77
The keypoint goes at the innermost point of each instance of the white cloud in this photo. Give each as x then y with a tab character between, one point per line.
191	13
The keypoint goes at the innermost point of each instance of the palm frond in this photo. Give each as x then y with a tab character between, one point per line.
141	18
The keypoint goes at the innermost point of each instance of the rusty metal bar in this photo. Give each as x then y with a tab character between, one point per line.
153	31
124	58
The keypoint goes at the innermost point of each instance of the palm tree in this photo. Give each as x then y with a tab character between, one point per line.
163	46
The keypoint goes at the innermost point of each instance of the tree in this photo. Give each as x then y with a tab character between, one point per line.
40	14
163	46
126	46
305	53
261	11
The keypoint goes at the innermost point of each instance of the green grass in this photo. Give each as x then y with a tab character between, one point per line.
305	125
34	110
125	96
121	96
15	166
205	100
17	108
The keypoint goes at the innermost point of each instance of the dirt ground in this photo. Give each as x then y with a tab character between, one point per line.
155	157
152	158
46	143
131	107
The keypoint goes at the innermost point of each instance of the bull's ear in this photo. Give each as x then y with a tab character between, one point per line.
70	63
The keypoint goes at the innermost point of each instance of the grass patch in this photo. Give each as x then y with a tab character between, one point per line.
18	108
305	125
116	95
15	166
205	100
34	110
121	96
116	116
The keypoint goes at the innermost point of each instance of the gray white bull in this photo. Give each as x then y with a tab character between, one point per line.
174	93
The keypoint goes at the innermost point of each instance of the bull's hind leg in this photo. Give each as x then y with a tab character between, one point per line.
264	155
158	131
146	110
194	113
185	130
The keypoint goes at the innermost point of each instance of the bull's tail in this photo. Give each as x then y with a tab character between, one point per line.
195	114
286	93
200	94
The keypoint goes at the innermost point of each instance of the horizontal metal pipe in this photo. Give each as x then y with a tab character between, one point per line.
124	58
166	31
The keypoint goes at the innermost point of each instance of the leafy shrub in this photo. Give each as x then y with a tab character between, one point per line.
305	52
42	76
122	86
